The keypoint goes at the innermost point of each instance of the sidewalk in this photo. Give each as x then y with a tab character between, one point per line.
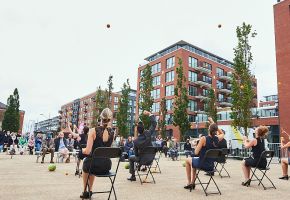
22	178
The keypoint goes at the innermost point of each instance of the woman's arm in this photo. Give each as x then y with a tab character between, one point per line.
200	145
249	143
285	146
90	142
72	132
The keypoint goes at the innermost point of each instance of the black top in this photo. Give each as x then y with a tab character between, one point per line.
259	148
98	142
187	147
223	144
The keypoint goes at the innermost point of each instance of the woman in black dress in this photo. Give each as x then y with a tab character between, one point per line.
101	136
258	146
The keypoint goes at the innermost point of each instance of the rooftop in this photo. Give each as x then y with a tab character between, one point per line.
192	48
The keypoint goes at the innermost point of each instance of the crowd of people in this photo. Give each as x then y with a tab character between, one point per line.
85	141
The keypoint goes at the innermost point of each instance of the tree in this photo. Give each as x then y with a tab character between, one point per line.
242	80
101	103
11	120
109	92
180	117
162	115
210	105
146	100
122	115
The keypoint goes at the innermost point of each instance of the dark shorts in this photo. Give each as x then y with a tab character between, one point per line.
99	166
288	161
196	164
251	162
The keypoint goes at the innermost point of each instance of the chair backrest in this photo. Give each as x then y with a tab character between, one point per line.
147	155
107	152
267	154
213	153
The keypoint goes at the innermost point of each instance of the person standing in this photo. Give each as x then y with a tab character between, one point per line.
285	161
31	144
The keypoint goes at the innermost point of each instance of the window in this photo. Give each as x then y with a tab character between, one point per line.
191	118
170	62
169	119
207	65
155	94
155	107
156	68
205	92
206	79
192	62
169	76
219	72
116	107
116	99
192	76
169	104
169	90
221	98
219	84
156	81
192	91
192	105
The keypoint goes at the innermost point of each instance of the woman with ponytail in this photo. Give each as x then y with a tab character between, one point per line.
205	143
258	146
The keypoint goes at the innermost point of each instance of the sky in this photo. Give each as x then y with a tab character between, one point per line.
57	51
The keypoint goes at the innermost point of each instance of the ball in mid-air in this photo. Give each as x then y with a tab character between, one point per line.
219	26
108	26
51	167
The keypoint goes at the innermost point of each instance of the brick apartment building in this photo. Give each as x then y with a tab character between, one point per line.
282	39
82	109
202	69
2	111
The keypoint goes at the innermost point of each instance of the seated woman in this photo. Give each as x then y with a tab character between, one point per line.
205	143
258	146
285	161
101	136
129	147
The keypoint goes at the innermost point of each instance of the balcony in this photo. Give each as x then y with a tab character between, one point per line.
202	82
202	69
201	96
226	90
224	76
225	102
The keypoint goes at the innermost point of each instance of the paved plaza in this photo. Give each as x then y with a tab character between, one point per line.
23	178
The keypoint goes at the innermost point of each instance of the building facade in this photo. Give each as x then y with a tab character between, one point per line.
282	40
82	109
48	125
202	69
2	111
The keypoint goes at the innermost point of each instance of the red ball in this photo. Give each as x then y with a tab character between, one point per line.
108	25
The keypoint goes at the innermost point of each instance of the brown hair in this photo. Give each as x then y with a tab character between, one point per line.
262	131
213	128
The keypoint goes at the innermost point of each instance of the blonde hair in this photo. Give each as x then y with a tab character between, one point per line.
106	114
262	131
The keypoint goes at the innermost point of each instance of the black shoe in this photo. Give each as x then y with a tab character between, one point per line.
209	174
144	169
190	187
132	178
284	177
86	195
247	183
77	173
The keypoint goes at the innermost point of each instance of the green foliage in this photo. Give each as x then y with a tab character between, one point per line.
161	120
122	115
180	117
210	105
242	80
109	93
11	121
101	102
145	95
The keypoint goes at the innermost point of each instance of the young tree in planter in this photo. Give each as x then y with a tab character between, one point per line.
109	92
162	115
180	117
101	103
210	105
242	80
122	115
11	120
145	95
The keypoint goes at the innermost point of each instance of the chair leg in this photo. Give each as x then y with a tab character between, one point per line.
112	188
138	174
149	170
216	185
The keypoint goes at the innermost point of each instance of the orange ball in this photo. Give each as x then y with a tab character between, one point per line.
219	26
108	26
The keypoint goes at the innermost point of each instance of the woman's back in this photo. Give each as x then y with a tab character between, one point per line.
210	143
99	142
259	148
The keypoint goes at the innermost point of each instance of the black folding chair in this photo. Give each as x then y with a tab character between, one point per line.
222	162
156	161
146	159
265	155
210	154
106	152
